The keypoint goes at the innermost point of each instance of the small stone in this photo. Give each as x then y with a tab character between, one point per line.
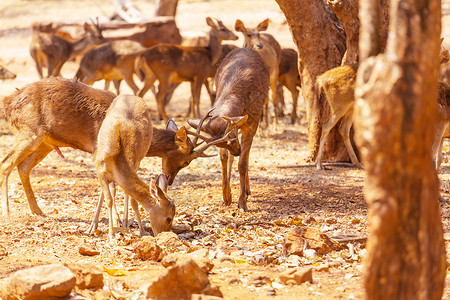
170	242
299	276
41	282
85	250
147	249
88	275
181	281
295	240
204	263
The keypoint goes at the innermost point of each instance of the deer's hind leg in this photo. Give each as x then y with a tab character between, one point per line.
24	168
21	149
344	130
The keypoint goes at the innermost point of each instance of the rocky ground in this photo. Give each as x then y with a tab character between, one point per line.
248	251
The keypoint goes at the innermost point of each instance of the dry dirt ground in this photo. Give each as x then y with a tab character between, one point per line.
246	247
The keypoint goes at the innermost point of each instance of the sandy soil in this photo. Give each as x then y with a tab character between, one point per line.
285	190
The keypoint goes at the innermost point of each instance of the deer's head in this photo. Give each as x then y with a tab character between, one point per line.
220	30
162	213
252	38
223	131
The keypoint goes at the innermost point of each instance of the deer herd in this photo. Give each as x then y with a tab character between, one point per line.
55	112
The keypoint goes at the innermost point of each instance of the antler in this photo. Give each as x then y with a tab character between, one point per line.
197	134
225	138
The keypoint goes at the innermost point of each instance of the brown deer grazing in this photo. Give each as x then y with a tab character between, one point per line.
288	76
172	63
242	83
51	51
123	141
6	74
270	51
57	112
114	60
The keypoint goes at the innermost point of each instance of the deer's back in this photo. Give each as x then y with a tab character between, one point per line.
63	111
53	46
187	62
338	84
242	84
126	130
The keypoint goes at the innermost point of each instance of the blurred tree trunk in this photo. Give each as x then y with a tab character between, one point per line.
394	113
166	8
321	45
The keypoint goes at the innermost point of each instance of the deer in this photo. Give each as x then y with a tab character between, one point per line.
337	86
242	82
123	141
289	77
56	112
6	74
173	63
52	51
114	60
270	50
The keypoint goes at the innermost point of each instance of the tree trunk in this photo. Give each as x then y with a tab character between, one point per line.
321	45
166	8
347	12
394	113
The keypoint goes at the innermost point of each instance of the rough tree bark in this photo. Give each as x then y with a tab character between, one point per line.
394	111
321	45
347	12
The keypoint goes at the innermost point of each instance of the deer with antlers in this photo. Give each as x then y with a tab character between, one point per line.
242	83
173	63
57	112
51	51
270	50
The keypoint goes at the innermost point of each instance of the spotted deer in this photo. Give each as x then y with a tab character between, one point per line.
242	82
56	112
51	51
173	63
270	50
114	60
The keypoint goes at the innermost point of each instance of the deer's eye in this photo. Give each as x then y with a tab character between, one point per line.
185	164
169	220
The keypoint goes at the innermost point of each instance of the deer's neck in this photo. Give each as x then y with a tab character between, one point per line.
215	47
162	142
79	46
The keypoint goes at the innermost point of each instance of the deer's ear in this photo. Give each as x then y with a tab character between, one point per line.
161	181
86	27
263	25
181	138
210	22
171	126
193	123
239	121
239	26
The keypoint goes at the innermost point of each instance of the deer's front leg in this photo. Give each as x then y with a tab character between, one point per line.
246	144
226	189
